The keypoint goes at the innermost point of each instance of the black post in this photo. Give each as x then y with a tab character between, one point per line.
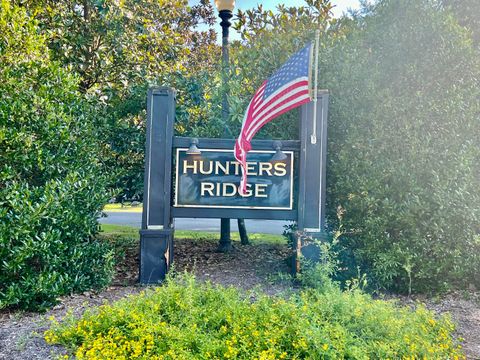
313	156
242	230
225	15
156	235
312	172
225	244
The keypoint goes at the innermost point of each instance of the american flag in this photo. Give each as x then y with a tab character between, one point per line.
287	88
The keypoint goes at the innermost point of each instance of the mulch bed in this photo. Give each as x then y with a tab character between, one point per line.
252	266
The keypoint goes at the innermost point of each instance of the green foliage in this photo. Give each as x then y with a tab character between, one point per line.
318	275
466	12
185	319
321	273
51	184
403	145
112	45
120	48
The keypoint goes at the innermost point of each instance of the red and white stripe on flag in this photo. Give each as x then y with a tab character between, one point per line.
286	89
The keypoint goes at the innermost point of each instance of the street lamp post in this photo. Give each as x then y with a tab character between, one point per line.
225	9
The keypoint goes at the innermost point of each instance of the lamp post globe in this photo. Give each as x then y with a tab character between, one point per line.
225	5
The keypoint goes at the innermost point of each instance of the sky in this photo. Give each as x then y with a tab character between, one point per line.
340	7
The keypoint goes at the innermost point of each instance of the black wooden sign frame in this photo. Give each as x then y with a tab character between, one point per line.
156	235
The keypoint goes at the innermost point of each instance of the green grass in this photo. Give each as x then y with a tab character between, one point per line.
125	207
129	233
119	230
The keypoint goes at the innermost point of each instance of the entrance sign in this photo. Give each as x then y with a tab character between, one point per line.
205	184
211	180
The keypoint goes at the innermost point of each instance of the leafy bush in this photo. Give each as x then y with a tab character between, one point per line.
51	185
188	320
404	155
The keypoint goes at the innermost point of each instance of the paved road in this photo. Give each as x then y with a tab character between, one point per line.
253	226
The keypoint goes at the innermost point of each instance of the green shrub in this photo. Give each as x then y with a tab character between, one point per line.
188	320
51	185
404	154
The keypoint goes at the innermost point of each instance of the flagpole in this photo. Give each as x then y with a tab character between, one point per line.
313	137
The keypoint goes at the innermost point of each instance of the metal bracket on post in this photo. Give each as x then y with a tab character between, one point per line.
156	235
312	171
